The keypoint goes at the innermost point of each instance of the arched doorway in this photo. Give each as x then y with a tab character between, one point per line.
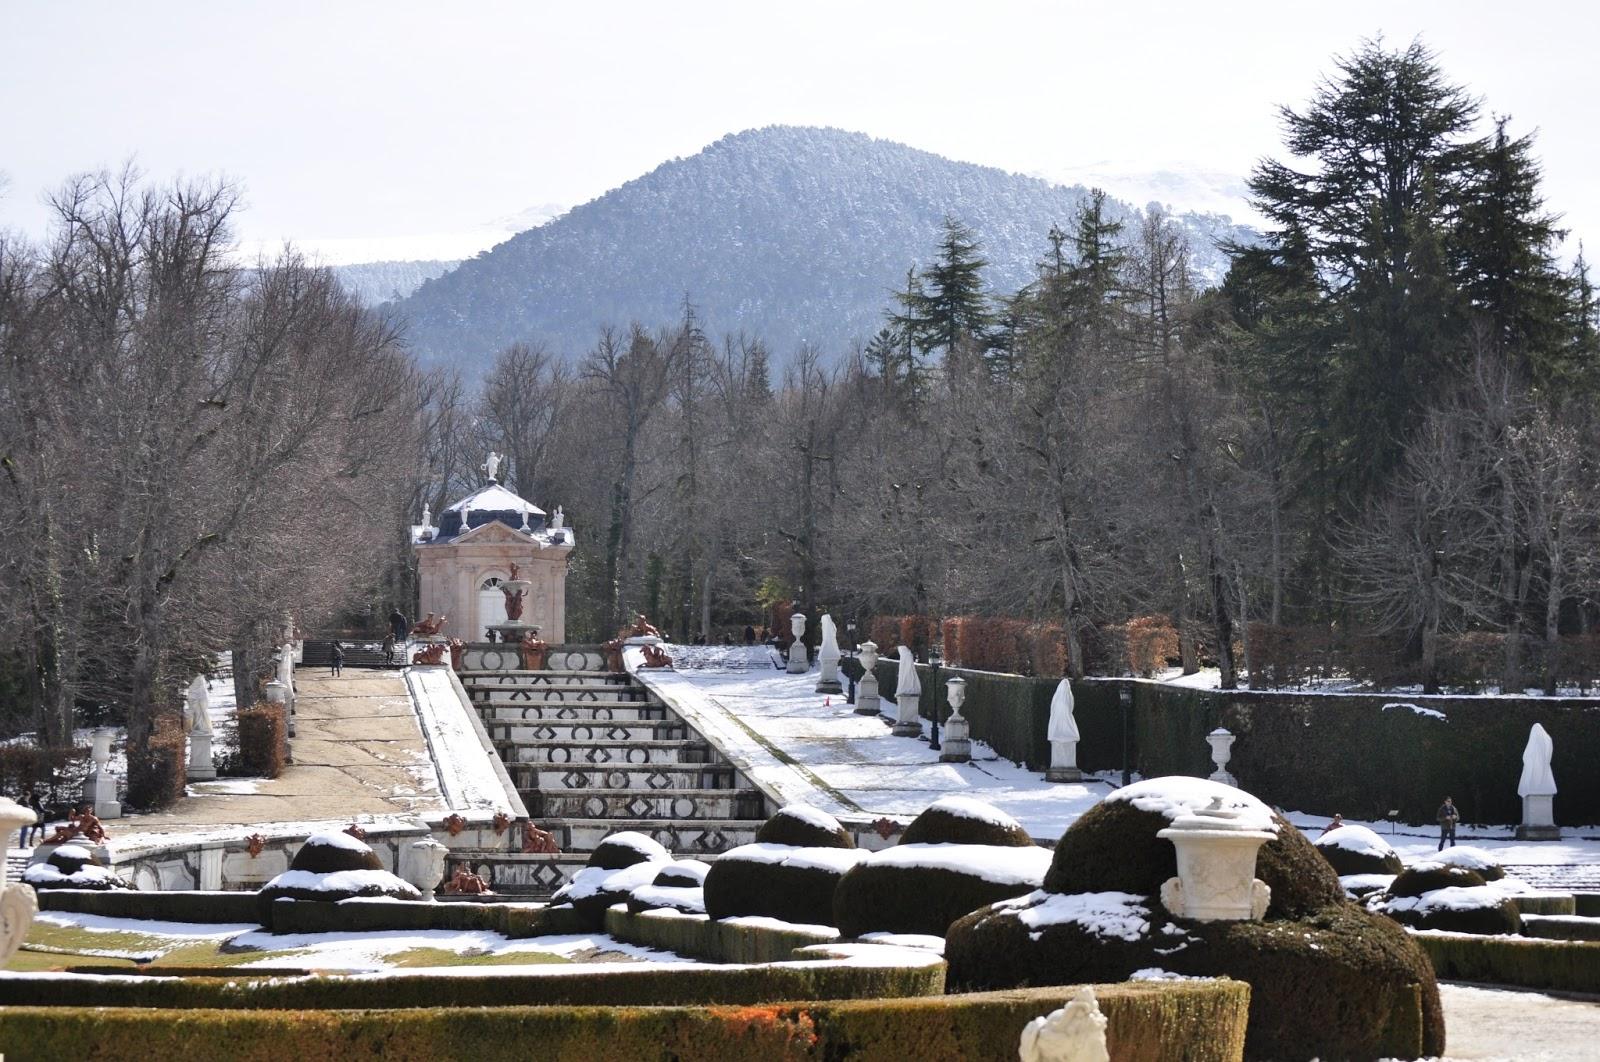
491	605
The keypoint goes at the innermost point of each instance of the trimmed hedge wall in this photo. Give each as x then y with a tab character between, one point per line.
1311	752
1565	965
626	986
368	916
1198	1021
175	906
263	740
713	941
1560	927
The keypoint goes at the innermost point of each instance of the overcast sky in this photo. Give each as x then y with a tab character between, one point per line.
403	129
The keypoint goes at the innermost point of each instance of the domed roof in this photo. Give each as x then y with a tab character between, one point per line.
487	505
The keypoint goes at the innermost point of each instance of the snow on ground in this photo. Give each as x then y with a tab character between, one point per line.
1503	1024
806	749
472	775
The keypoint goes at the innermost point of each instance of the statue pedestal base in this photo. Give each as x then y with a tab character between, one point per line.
1063	774
100	791
867	700
799	662
1539	819
909	722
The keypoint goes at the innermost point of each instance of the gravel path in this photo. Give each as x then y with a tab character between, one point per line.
1504	1024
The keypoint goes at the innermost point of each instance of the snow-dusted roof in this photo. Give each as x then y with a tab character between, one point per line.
495	498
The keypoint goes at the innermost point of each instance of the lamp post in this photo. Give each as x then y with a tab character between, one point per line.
935	656
1125	695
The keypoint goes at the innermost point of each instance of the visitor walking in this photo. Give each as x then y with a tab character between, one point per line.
749	634
1448	817
388	647
36	831
337	660
399	625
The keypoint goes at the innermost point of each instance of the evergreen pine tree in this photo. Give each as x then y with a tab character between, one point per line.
945	309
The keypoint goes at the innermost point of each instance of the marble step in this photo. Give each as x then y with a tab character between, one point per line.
577	777
604	695
671	805
586	711
695	838
546	678
601	753
583	731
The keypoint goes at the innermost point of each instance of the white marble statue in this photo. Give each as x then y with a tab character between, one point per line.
1537	779
1537	788
427	515
828	657
197	707
559	520
1075	1033
1063	735
909	684
491	466
907	697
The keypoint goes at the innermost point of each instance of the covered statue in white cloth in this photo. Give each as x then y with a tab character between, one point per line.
1063	735
1537	788
908	685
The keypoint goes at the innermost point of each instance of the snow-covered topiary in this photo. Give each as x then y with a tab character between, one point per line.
330	867
678	886
72	866
622	862
1435	895
1474	859
789	873
1357	850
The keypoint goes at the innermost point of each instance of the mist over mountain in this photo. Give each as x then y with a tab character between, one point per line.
798	235
378	282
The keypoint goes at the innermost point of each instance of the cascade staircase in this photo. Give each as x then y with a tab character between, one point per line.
592	752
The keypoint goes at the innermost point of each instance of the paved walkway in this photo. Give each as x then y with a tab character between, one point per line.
357	751
1484	1023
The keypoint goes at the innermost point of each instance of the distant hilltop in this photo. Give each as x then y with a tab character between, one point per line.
798	235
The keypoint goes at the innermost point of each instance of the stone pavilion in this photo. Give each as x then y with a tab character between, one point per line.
462	562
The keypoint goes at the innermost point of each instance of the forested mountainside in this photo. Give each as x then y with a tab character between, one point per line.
792	234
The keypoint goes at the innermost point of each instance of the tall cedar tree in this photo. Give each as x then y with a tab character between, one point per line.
946	309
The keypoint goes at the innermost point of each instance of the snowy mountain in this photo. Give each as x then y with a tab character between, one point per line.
794	234
376	282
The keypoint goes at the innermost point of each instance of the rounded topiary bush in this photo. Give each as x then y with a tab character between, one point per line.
1428	876
803	826
963	820
1433	895
622	862
789	873
1357	850
332	867
1113	846
72	866
955	857
1327	978
625	848
1474	859
678	886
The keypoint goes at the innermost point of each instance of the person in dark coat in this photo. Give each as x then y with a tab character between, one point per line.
337	662
36	830
749	634
1448	817
399	624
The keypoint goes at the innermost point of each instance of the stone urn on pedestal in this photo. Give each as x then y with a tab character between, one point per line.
1217	865
18	904
1221	742
799	662
100	788
867	700
422	864
957	744
828	657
